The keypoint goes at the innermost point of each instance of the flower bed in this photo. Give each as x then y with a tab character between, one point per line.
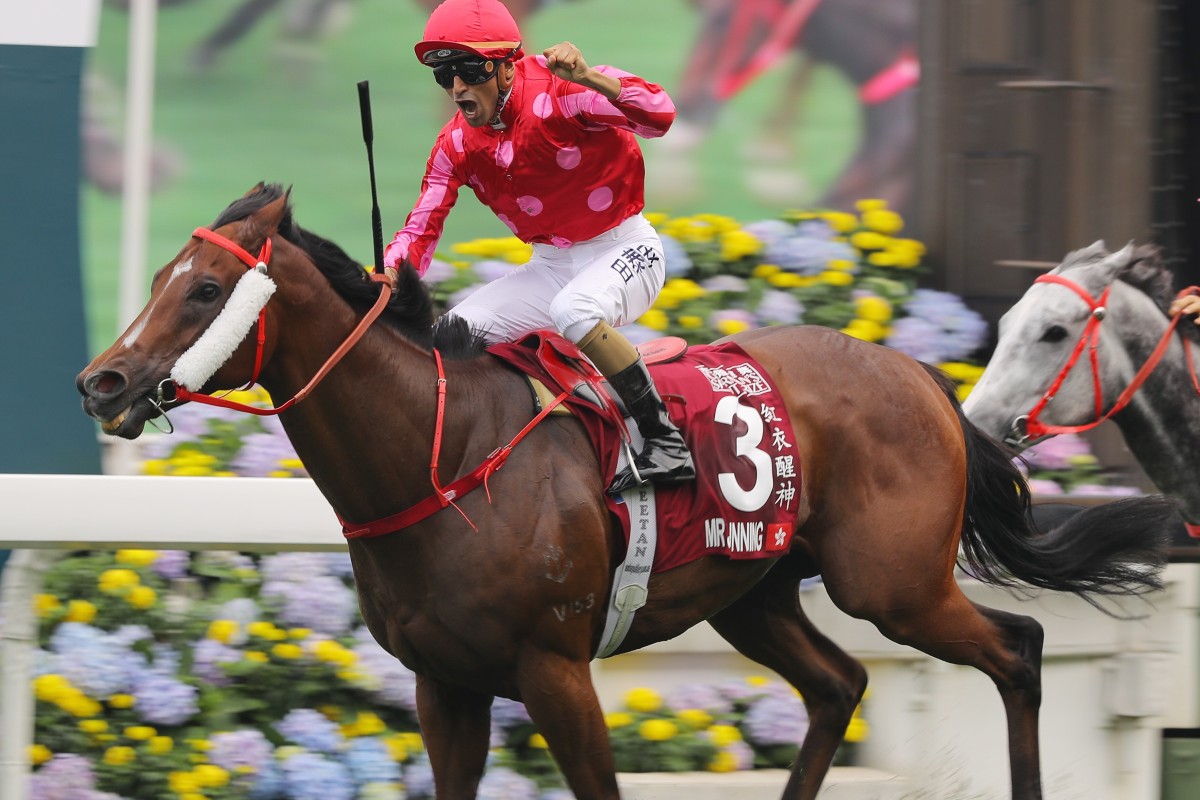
224	675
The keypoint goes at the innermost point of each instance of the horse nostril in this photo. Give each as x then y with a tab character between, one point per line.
105	383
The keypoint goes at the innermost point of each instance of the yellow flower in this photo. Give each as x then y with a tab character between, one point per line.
260	629
758	681
222	630
655	320
691	321
882	220
696	718
366	724
50	687
299	633
866	330
119	756
93	726
869	240
736	245
655	218
122	701
883	258
39	754
192	796
155	466
137	558
728	327
857	730
113	581
765	270
835	278
724	735
963	391
538	742
723	761
840	221
210	775
787	280
962	372
287	651
257	656
141	597
331	712
279	473
140	733
78	704
291	463
43	604
330	651
618	719
81	611
397	747
203	745
841	264
873	308
161	745
685	288
643	699
657	730
182	783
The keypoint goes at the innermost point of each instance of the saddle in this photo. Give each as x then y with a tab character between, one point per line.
568	368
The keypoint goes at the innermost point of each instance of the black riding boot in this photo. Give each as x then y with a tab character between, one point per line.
664	457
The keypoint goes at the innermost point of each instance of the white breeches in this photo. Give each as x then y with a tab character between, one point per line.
614	277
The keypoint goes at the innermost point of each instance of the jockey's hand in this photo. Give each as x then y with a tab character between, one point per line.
566	62
395	252
1187	305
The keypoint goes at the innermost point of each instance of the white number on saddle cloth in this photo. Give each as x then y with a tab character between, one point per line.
747	446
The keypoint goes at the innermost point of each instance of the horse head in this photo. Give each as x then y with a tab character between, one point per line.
193	330
1056	364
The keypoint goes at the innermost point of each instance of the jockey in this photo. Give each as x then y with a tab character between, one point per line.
547	143
1186	305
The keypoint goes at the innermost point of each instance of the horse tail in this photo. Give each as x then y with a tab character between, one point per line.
1118	548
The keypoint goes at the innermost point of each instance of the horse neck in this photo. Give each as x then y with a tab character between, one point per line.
365	433
1161	424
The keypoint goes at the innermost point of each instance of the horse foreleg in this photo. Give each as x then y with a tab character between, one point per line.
456	726
768	626
562	702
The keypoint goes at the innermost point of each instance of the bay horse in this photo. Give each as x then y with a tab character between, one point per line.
1120	302
509	603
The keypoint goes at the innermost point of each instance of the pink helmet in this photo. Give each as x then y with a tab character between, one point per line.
483	27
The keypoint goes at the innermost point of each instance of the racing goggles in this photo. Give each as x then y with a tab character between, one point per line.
473	71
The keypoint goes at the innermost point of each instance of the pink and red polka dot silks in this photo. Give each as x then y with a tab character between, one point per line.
564	167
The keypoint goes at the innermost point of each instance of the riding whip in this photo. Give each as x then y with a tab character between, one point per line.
364	106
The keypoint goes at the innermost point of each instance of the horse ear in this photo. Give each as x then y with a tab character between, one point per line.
271	216
255	189
1093	252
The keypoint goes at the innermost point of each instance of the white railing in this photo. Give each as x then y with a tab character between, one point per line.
1110	686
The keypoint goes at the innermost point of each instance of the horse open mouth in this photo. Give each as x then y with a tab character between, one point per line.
129	422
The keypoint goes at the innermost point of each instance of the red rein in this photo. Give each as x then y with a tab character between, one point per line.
1090	339
441	497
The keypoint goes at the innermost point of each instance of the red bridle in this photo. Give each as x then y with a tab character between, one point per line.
1029	425
182	393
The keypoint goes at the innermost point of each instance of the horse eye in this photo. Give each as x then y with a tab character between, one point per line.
1055	333
208	292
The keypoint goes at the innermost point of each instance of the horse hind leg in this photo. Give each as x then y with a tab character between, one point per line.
1005	647
767	625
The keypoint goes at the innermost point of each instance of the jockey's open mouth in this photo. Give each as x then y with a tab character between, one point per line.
468	107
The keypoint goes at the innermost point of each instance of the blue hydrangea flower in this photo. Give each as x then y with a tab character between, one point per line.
163	700
676	259
66	776
311	776
310	729
778	717
325	604
369	761
172	564
418	777
502	783
387	680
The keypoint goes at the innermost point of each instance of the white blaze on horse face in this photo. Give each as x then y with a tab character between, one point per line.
136	330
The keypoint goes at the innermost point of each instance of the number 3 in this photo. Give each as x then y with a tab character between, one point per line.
728	408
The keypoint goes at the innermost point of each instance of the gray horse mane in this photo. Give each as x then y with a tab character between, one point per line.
1145	272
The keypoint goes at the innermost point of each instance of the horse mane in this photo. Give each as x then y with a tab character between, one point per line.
410	309
1147	273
